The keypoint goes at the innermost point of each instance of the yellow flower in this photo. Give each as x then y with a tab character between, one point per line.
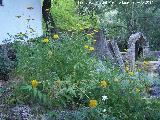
86	46
92	103
91	48
104	84
55	36
34	83
137	90
45	40
145	62
131	73
116	79
127	69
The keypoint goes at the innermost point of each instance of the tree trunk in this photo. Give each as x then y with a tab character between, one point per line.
47	16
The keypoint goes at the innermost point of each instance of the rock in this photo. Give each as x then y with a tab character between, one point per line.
155	91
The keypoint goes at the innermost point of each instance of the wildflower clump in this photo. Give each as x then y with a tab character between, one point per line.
86	46
145	62
137	90
55	36
34	83
127	68
92	103
45	40
104	84
91	48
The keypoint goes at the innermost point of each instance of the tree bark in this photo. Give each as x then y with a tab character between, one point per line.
47	17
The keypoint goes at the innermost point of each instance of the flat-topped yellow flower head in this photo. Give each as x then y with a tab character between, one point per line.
127	69
137	90
45	40
34	83
86	46
145	62
91	49
92	103
104	84
55	36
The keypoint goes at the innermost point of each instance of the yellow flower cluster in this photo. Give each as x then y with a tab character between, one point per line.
104	84
55	36
137	90
127	68
89	48
145	62
45	40
92	103
34	83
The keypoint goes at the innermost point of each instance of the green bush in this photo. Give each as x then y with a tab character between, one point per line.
7	60
65	75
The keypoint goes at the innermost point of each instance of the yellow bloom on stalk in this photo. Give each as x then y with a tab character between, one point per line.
86	46
45	40
34	83
137	90
131	73
91	48
145	62
127	69
104	84
55	36
92	103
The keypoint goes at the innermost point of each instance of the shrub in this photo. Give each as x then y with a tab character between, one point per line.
62	73
7	60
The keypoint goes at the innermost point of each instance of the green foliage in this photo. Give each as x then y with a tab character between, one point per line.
66	17
68	77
